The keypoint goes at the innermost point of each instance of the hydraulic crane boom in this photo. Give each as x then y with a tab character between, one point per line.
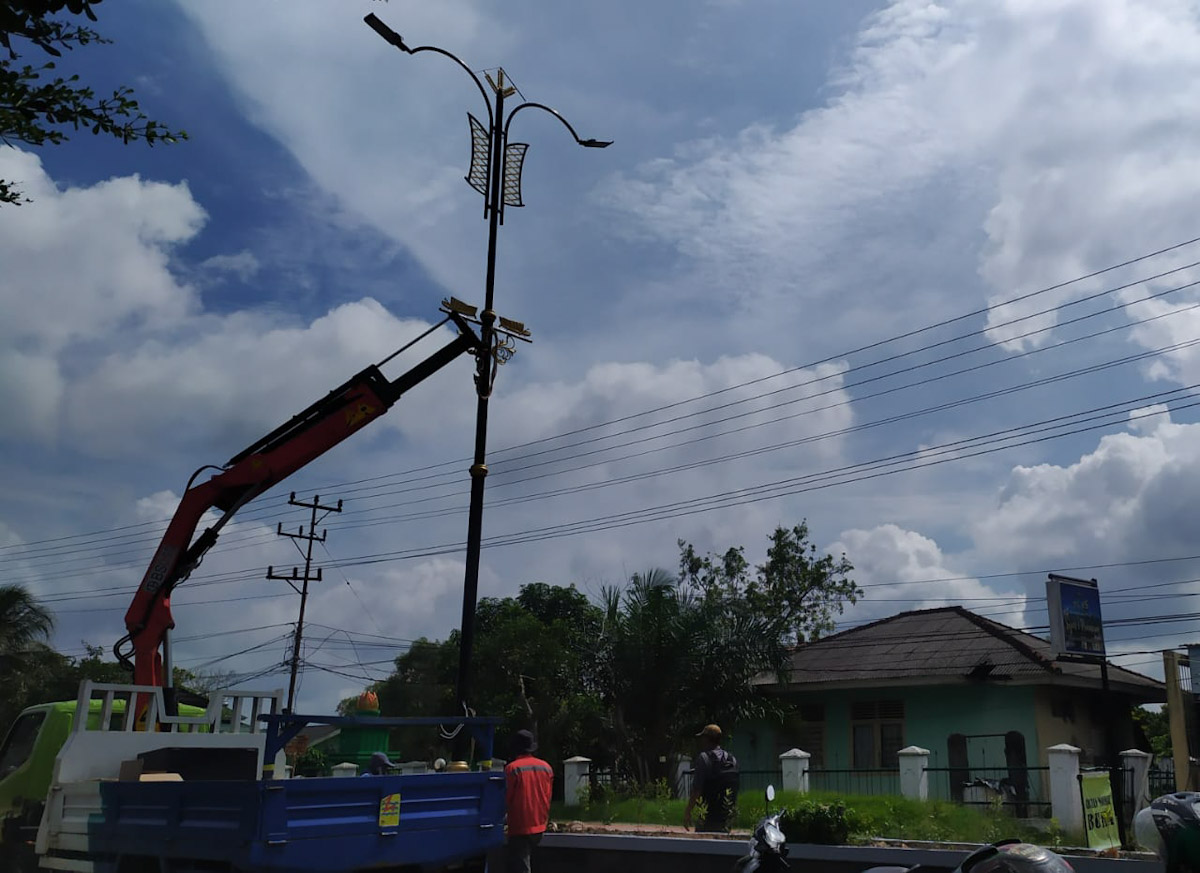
307	436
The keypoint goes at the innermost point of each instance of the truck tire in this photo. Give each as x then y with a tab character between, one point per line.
18	858
16	852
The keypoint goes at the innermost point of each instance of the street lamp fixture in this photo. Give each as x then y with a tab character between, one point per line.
495	172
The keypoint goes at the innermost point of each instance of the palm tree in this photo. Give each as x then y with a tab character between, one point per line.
25	625
648	641
673	659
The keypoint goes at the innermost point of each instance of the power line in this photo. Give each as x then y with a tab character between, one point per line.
256	538
864	348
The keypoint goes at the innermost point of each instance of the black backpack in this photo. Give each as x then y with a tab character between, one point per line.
720	788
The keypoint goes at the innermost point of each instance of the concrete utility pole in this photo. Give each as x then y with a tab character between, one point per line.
309	538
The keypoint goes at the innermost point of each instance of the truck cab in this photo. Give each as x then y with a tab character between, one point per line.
27	754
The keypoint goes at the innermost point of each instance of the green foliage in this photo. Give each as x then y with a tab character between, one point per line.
23	624
1157	728
534	665
48	676
680	652
1055	838
627	682
312	763
802	590
36	110
827	824
831	818
25	659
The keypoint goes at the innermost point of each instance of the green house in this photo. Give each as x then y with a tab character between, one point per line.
985	699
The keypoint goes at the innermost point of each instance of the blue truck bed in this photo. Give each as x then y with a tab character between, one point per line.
317	825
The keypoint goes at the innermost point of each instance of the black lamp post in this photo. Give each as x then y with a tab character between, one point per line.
495	173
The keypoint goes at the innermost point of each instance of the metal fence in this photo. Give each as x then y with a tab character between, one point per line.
1023	790
870	782
1162	781
756	781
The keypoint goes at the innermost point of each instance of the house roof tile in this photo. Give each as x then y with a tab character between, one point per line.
948	644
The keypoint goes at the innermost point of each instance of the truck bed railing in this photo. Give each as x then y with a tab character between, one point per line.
282	728
228	711
97	747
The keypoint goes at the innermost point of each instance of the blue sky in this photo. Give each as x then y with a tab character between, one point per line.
791	185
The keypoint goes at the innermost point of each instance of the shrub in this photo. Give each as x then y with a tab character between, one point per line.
311	763
828	824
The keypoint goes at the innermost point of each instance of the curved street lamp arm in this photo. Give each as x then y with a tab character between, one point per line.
395	39
587	143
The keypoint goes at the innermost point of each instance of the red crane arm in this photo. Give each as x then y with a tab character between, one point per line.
270	460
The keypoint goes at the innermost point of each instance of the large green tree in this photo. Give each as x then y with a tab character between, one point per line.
628	681
534	666
802	588
679	652
39	107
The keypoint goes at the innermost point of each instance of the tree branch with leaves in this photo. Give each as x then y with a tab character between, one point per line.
38	108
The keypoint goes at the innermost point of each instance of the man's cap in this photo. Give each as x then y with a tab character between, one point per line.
711	731
523	742
381	762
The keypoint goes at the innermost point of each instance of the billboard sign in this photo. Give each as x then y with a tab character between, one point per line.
1075	624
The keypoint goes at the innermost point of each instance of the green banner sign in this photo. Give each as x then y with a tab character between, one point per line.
1099	816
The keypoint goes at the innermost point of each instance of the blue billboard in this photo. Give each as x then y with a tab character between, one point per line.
1076	627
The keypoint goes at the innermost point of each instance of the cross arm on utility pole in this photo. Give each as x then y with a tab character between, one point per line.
309	538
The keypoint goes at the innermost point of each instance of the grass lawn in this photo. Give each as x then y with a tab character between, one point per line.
838	818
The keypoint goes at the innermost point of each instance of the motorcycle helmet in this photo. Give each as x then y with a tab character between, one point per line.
1170	827
1013	856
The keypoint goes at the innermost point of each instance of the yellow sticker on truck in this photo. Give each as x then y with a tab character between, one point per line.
389	811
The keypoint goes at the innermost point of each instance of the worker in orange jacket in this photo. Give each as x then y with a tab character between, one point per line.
528	781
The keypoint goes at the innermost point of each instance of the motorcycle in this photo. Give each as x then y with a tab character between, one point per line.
768	845
768	853
1005	856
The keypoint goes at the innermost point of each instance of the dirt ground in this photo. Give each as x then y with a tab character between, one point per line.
640	830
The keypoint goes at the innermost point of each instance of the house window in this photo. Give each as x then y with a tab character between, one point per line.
876	734
805	729
1062	707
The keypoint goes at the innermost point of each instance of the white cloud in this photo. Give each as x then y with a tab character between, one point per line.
84	262
1073	161
81	265
237	377
904	570
1126	499
244	265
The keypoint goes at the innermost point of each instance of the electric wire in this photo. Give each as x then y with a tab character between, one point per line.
858	350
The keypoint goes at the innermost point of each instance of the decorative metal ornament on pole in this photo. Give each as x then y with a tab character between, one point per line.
495	172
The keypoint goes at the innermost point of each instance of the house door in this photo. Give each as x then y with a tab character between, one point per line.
960	767
1018	769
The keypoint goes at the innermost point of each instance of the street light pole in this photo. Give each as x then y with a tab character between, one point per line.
483	389
495	173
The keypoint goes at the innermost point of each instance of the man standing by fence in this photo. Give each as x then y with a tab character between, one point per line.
715	781
528	782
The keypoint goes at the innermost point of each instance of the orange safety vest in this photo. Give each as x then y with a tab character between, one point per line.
528	781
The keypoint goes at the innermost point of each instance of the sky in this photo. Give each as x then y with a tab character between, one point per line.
919	273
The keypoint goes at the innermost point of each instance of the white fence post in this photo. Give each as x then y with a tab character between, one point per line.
794	764
914	780
683	778
575	779
345	769
1065	803
1137	763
